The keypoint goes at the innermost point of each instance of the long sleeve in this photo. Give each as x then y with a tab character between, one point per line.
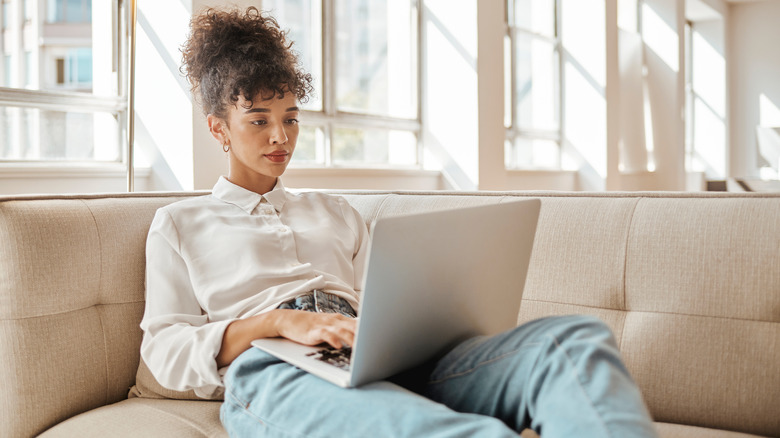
180	344
234	254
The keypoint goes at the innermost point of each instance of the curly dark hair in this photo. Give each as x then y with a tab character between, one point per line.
232	53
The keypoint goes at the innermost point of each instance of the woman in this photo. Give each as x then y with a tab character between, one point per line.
253	260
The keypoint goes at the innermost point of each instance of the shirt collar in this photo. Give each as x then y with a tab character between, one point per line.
248	200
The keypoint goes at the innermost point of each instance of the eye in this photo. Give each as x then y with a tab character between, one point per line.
292	121
259	122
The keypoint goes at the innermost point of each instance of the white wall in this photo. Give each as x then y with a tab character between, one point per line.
754	79
663	32
36	179
171	133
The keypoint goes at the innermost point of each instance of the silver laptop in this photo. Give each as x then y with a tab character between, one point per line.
432	280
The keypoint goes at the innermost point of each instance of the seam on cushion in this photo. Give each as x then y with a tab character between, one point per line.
652	311
105	353
100	248
100	297
48	315
625	252
625	270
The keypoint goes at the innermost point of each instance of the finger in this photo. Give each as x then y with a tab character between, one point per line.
348	336
333	339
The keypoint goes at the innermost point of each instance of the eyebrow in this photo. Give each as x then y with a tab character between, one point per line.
266	110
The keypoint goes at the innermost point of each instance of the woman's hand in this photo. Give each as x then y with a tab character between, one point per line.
304	327
311	328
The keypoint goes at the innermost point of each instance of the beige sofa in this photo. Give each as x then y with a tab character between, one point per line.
690	284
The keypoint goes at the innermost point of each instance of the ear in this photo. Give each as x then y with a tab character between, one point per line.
218	128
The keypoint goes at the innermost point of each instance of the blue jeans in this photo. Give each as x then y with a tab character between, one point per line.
561	376
320	301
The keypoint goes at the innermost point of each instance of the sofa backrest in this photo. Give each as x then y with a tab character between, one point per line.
71	299
689	283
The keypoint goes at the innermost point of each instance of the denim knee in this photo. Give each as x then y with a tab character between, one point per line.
584	339
580	327
576	336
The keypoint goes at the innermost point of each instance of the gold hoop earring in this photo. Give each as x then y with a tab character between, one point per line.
225	147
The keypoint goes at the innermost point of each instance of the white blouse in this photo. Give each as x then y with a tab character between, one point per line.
233	254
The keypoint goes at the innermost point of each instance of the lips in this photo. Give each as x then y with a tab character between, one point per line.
277	156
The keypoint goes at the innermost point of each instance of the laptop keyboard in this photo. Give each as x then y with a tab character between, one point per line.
338	357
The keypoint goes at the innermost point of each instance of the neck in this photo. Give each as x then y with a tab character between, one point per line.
260	185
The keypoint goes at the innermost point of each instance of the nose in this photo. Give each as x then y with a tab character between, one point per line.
278	136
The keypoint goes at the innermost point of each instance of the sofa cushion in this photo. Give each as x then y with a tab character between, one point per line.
146	386
137	417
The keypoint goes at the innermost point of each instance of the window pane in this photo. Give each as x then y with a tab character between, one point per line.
33	134
303	19
62	56
28	69
536	79
50	58
6	15
537	16
507	82
374	146
55	11
376	62
7	70
533	153
310	148
75	10
28	9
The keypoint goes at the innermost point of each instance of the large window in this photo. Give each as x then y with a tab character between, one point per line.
705	103
533	85
61	81
71	11
363	55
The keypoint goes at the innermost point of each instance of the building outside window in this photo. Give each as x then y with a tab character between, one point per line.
532	109
364	57
69	11
61	90
6	11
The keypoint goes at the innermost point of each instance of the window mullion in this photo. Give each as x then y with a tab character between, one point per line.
329	73
60	101
559	80
421	105
328	57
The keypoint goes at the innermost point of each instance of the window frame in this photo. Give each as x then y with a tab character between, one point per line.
690	98
514	131
64	101
330	118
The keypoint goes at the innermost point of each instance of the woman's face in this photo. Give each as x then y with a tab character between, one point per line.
262	139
